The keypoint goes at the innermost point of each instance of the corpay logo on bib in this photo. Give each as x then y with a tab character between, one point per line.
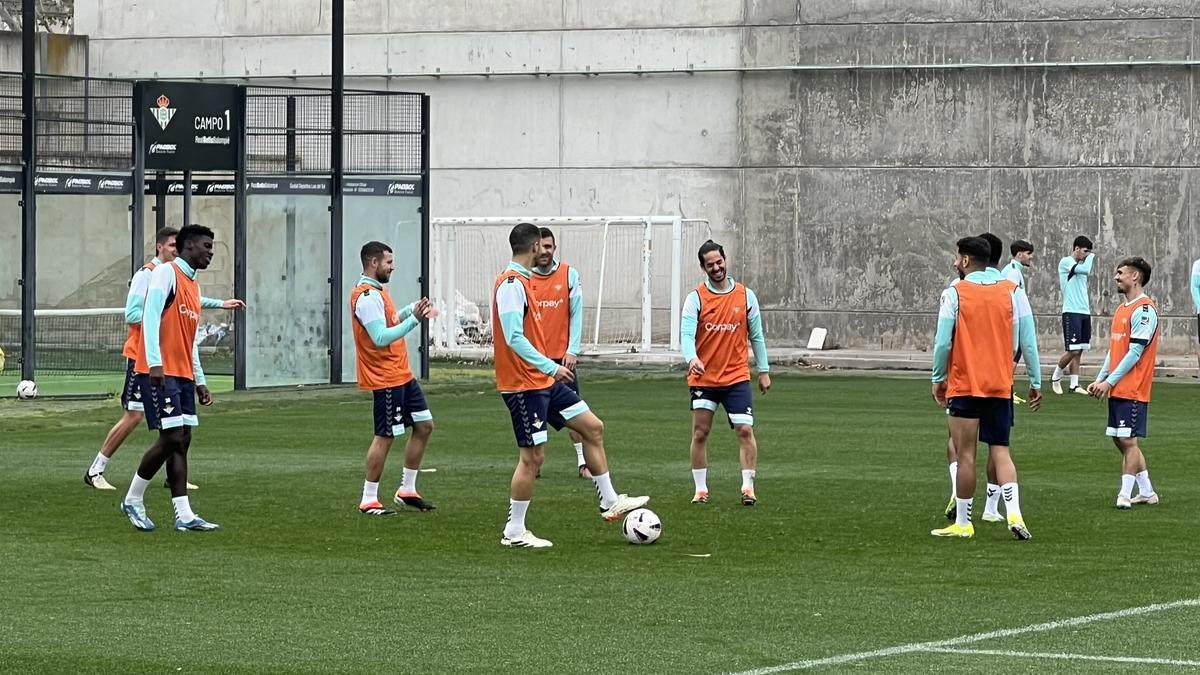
189	313
549	304
721	327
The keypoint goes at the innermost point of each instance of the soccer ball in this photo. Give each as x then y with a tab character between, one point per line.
642	526
26	389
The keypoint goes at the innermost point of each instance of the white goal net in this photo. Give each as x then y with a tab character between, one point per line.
631	270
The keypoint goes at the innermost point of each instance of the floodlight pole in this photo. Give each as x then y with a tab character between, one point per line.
28	194
337	86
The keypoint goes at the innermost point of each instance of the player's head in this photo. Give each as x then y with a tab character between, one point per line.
1022	252
377	261
1081	248
1132	273
525	240
194	243
973	255
546	248
712	261
997	248
164	244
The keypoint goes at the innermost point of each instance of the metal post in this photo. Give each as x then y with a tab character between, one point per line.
676	280
289	209
425	231
451	289
28	196
647	281
600	286
336	94
160	200
187	198
137	204
239	245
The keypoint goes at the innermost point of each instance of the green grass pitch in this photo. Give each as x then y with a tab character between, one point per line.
835	559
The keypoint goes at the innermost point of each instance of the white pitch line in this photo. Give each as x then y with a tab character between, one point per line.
1069	657
977	637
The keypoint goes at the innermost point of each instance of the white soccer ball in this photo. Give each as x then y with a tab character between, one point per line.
26	389
642	526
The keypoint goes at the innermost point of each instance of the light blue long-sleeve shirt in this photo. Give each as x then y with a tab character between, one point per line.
135	301
691	319
1142	327
1073	280
575	307
511	304
1024	328
1196	285
162	284
1015	272
369	311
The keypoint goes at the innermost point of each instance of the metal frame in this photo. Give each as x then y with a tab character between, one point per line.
239	245
28	191
337	92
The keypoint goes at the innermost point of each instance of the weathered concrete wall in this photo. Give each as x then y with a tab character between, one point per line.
838	192
64	54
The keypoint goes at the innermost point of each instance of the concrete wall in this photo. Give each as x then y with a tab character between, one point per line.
63	54
838	192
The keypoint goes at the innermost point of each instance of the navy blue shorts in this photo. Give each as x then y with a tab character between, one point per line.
995	416
1126	418
1077	331
131	393
399	407
532	410
573	385
169	407
736	398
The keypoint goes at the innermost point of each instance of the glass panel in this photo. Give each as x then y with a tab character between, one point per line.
287	272
395	221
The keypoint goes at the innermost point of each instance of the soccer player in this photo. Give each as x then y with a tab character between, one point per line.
171	379
980	320
1126	377
533	387
719	318
1073	271
131	396
560	302
382	359
1022	257
1195	285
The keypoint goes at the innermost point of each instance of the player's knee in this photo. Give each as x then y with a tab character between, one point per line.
700	433
423	430
593	430
744	432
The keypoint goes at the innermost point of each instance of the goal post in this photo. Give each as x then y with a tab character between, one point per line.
631	268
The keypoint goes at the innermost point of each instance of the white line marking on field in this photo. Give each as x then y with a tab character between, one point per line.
977	637
1069	657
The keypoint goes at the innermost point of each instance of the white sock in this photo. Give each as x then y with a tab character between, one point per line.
579	455
516	518
1145	489
700	478
370	492
963	517
993	498
1074	380
1127	481
409	484
604	488
954	479
1057	374
747	479
137	489
183	509
98	464
1012	499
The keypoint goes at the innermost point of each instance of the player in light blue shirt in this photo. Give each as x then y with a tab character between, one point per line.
1022	257
1073	273
1196	304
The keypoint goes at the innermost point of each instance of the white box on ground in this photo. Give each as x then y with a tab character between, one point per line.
816	339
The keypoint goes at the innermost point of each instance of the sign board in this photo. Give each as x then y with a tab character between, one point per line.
189	126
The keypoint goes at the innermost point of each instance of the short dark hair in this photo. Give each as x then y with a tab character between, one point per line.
164	234
192	231
997	247
1138	263
1083	242
523	237
1020	246
544	232
976	248
708	247
372	250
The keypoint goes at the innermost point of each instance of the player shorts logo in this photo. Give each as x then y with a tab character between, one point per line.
163	113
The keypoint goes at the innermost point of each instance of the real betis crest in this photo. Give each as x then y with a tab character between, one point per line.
163	113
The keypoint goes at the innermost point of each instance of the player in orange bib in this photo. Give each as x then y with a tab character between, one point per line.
982	321
560	302
1126	377
171	379
131	395
382	361
719	319
534	390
